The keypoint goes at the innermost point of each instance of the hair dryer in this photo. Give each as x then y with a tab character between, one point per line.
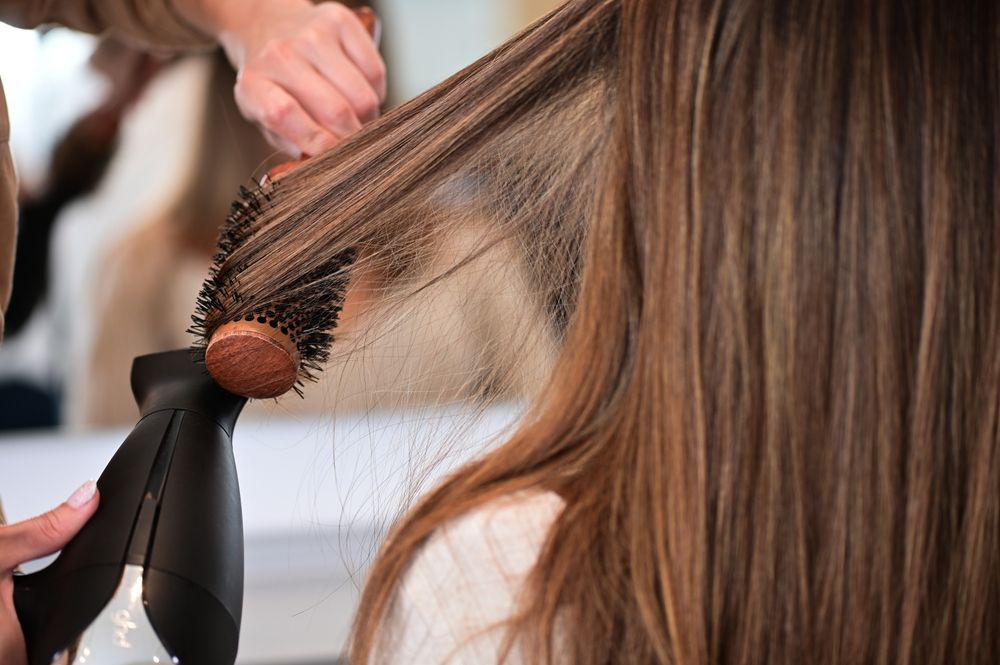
156	576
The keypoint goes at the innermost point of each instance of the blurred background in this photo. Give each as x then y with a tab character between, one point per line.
128	162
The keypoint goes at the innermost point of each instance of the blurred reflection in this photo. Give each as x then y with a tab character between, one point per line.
143	290
77	163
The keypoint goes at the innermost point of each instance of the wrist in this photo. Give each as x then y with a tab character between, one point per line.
236	24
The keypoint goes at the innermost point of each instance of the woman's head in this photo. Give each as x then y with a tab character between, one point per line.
768	234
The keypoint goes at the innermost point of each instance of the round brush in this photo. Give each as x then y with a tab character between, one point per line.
266	353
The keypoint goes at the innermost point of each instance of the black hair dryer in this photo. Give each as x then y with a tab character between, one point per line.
156	576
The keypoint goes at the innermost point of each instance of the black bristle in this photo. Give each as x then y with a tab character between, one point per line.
308	321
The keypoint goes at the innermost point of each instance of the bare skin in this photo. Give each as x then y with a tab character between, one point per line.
308	75
29	540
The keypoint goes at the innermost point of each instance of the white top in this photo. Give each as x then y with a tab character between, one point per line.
465	582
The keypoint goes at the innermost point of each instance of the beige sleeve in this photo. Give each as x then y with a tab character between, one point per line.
151	22
8	211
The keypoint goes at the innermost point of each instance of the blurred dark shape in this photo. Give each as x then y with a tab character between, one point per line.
27	406
79	162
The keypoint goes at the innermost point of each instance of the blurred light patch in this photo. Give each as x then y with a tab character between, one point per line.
48	85
431	40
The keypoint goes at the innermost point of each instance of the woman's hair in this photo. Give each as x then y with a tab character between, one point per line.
769	235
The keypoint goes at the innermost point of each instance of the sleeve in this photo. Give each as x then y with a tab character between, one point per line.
149	22
8	215
452	605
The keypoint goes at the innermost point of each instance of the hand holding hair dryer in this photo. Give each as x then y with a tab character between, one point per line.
156	576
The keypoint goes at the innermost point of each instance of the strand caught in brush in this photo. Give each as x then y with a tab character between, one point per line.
265	352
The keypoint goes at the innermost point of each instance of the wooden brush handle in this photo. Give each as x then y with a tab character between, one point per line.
371	22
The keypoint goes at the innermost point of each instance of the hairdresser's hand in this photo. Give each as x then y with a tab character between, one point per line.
33	539
309	75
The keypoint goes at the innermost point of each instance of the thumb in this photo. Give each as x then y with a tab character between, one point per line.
48	533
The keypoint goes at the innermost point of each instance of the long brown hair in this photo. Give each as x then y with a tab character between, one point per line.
774	421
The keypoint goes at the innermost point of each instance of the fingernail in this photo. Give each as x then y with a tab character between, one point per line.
83	495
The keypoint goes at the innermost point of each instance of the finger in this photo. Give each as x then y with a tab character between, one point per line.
281	144
341	72
3	522
274	109
48	533
318	97
360	47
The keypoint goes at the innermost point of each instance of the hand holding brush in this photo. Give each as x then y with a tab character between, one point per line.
264	353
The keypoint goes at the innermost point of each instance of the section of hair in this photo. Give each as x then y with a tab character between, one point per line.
774	421
515	161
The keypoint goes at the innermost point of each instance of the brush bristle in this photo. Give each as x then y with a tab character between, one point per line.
309	320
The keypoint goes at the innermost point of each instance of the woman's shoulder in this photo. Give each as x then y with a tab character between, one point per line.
464	583
501	538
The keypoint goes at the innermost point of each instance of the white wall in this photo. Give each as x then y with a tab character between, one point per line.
428	40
